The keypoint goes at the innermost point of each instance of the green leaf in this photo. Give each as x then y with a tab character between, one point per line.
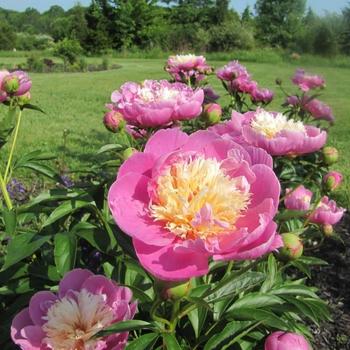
220	339
42	169
293	289
171	342
290	214
311	260
7	124
33	107
110	147
65	252
10	220
22	246
271	275
124	326
145	342
67	208
255	300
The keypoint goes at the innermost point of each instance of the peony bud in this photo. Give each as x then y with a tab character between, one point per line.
332	180
212	113
173	290
24	99
330	155
293	247
10	84
127	153
112	121
298	199
328	230
286	341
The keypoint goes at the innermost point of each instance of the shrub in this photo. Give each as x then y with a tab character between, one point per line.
69	50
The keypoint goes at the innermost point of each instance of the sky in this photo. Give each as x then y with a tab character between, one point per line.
318	5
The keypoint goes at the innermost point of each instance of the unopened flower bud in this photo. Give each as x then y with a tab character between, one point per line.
332	180
127	153
173	290
112	121
286	341
330	155
293	247
212	113
327	230
24	99
10	84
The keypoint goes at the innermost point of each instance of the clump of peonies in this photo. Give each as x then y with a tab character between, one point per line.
315	107
237	80
157	103
327	212
188	198
16	83
298	198
333	180
188	68
306	81
286	341
273	132
85	304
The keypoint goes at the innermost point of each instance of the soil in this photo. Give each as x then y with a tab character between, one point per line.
333	282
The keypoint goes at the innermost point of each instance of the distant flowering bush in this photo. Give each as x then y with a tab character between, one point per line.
189	69
157	103
84	305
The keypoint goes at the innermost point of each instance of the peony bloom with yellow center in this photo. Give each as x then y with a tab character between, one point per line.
85	304
187	199
273	132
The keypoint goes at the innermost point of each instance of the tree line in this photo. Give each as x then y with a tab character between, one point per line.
199	25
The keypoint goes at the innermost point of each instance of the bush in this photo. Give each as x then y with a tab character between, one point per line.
35	64
69	50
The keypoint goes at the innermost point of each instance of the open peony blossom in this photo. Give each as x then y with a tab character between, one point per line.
279	135
264	96
232	71
298	198
188	198
327	212
286	341
85	304
187	67
306	81
157	103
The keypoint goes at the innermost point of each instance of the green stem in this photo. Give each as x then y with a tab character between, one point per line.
5	193
9	161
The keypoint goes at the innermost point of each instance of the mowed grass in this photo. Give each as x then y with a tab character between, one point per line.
75	102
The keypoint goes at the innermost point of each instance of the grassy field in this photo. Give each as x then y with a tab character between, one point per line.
76	101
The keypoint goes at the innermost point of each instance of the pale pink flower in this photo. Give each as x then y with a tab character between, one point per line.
306	81
327	212
157	103
188	198
185	67
85	304
319	110
286	341
232	71
264	96
298	198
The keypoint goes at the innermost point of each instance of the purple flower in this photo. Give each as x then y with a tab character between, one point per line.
264	96
307	81
84	305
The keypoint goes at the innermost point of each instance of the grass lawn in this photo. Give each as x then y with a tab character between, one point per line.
75	101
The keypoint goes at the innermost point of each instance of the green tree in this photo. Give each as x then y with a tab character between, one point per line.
345	35
7	36
278	21
69	50
78	24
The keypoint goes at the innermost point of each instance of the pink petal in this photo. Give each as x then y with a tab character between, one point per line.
165	141
39	304
128	201
21	320
140	163
73	280
166	263
259	156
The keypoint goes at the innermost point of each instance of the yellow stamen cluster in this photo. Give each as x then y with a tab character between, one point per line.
269	125
196	199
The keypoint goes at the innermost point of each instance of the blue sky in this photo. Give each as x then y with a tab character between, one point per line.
318	5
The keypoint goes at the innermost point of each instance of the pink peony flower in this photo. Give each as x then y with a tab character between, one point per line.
85	304
264	96
286	341
319	110
327	212
185	67
157	103
16	83
188	198
333	180
298	199
306	81
243	85
232	71
3	94
278	135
